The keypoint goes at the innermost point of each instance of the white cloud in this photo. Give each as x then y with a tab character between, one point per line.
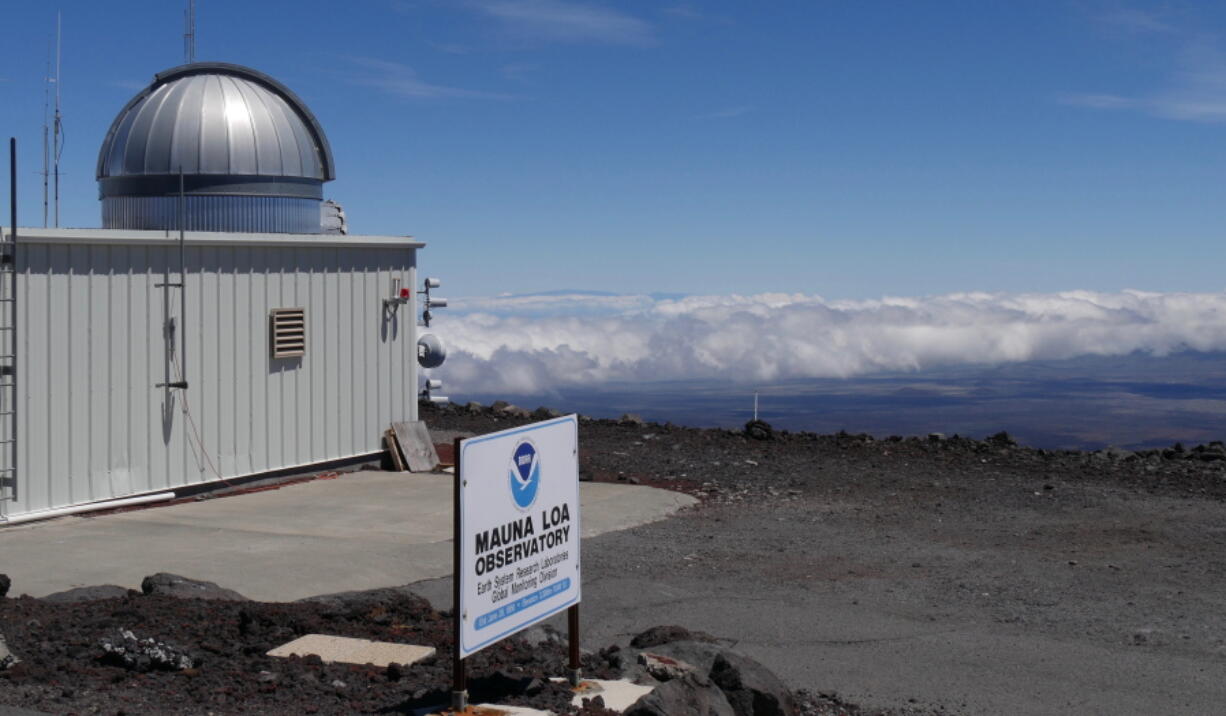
500	345
1136	21
1196	87
565	21
401	80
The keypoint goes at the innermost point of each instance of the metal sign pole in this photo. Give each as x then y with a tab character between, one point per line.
459	687
572	623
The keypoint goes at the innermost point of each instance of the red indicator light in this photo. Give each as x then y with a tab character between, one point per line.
404	293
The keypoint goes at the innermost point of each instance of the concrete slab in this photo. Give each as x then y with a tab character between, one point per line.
618	694
486	710
359	531
347	650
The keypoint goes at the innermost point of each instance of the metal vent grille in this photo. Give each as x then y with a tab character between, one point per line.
288	332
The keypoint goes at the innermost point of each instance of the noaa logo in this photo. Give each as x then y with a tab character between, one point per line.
525	474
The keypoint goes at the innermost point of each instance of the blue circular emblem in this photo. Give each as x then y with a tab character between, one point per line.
525	474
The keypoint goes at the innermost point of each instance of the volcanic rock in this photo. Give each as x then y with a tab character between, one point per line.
759	430
7	658
142	655
692	695
5	583
173	585
664	668
663	634
751	688
88	594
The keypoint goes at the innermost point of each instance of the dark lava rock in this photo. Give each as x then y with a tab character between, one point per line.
1001	439
142	655
172	585
631	419
759	430
7	658
5	583
693	695
751	688
664	668
657	635
88	594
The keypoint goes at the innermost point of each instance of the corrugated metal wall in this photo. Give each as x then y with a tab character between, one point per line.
92	424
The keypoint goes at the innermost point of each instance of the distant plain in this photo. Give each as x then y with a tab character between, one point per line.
1134	401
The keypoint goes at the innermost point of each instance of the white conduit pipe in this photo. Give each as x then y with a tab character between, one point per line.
75	509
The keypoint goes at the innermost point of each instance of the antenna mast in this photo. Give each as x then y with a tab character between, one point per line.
57	146
189	32
46	148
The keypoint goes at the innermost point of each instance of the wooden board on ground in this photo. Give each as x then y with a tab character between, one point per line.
414	439
393	448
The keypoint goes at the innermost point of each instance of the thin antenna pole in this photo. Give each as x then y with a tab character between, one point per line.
189	32
755	406
12	257
182	282
57	146
46	148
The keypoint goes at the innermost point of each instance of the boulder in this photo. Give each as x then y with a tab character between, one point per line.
7	658
699	654
172	585
5	583
543	413
759	430
631	419
499	406
1001	439
142	655
474	408
751	688
88	594
663	634
692	695
664	668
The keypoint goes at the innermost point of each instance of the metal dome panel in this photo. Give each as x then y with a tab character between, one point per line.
243	148
215	118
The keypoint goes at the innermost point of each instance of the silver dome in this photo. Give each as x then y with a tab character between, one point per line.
251	155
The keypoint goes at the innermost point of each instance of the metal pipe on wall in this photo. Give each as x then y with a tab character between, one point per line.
77	509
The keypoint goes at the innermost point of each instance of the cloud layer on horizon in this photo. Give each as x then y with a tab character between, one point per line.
536	344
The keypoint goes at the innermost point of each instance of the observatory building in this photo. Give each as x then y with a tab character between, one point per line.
210	330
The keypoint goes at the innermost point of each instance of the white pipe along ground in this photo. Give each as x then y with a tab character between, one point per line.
77	509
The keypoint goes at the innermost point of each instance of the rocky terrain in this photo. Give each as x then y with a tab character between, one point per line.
870	574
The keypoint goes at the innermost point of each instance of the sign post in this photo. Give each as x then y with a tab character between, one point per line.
516	538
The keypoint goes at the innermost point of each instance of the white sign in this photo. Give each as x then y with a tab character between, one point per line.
519	521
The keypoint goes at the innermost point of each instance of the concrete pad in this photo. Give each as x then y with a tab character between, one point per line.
618	694
486	710
359	531
347	650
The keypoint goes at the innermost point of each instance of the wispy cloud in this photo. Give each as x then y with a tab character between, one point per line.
452	48
535	344
1196	87
519	71
1133	20
683	10
728	112
566	21
402	81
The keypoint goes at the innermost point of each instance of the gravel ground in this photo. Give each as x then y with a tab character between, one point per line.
934	573
875	576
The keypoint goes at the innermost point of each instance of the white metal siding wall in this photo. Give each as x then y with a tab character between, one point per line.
92	424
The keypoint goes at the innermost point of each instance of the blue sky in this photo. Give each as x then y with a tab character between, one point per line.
847	149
